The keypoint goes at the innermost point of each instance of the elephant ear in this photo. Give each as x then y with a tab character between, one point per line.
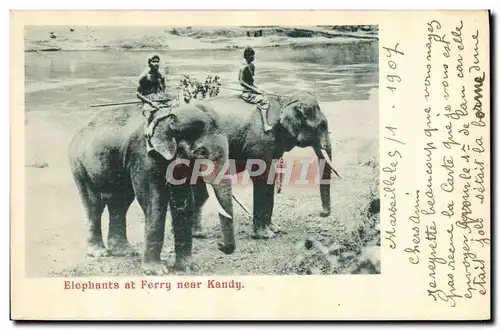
291	118
163	137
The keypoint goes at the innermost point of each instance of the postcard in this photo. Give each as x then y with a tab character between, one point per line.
250	165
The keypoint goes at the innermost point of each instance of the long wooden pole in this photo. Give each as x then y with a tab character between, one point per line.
242	205
138	102
240	90
121	103
110	104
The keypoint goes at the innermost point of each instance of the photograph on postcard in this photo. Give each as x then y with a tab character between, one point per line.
211	165
233	150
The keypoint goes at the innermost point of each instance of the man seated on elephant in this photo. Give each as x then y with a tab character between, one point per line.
151	88
251	93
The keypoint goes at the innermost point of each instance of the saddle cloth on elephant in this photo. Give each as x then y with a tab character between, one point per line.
161	100
254	98
273	104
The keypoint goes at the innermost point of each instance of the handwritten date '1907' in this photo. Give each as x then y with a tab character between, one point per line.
393	80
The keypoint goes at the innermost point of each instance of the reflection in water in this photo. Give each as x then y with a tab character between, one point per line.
334	72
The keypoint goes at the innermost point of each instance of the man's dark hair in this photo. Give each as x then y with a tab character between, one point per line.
248	52
153	57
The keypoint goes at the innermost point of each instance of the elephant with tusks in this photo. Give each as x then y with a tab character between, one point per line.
298	122
111	167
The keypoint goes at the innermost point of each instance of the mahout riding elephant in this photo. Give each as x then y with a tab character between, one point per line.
111	166
298	121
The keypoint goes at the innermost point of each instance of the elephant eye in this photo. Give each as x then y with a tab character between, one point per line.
201	152
322	126
300	114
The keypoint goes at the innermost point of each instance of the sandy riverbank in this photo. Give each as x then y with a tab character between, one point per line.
160	38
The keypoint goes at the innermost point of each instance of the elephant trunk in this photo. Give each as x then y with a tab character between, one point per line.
323	151
223	194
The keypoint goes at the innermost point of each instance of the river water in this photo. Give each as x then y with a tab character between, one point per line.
72	80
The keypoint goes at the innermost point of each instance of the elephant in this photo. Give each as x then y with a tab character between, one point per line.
298	121
112	165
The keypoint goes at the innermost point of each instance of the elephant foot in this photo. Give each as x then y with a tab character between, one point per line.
97	250
154	268
186	266
226	249
324	213
264	233
199	232
122	249
275	229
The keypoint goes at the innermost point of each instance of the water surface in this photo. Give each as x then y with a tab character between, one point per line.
76	79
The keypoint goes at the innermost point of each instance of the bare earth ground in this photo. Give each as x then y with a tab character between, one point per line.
345	242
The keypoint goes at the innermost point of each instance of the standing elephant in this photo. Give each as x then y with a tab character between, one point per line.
111	166
298	122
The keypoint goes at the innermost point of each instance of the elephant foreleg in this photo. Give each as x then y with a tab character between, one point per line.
154	202
200	195
263	197
181	206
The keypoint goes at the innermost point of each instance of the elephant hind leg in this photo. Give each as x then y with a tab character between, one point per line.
200	194
118	204
94	207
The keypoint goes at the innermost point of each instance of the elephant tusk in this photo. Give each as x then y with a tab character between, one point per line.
329	162
224	213
242	205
